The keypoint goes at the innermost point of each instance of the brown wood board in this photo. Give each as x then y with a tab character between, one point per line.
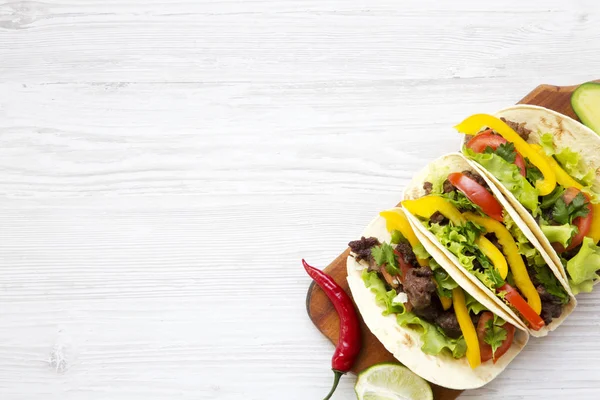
320	309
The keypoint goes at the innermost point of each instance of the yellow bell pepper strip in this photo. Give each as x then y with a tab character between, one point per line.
594	232
467	327
511	251
396	220
494	255
473	124
446	302
426	206
562	178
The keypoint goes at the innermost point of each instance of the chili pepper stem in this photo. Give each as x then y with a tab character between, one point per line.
336	381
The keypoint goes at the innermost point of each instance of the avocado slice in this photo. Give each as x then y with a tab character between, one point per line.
586	103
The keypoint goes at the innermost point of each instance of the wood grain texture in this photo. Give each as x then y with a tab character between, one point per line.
164	166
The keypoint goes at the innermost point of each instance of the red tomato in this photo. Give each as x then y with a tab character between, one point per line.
534	321
484	348
487	139
583	224
477	194
404	266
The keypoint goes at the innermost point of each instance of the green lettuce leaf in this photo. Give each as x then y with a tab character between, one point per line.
508	174
460	241
397	236
559	233
434	339
547	143
420	252
473	305
383	297
574	166
444	281
582	268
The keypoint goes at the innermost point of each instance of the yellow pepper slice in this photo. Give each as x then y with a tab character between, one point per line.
511	251
467	327
473	124
426	206
396	220
446	302
494	255
561	175
594	232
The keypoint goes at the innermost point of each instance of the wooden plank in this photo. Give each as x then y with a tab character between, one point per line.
322	313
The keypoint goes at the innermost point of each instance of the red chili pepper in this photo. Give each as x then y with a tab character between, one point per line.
349	341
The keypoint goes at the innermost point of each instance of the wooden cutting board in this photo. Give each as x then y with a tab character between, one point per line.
322	313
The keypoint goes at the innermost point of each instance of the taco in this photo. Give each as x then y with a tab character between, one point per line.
451	335
547	165
468	220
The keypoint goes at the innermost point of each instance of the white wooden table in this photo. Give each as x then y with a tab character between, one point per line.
164	165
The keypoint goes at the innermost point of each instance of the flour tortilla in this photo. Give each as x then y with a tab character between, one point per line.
566	132
456	162
405	344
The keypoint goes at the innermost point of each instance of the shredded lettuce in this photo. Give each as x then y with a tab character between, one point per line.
559	233
547	143
437	179
473	305
574	166
583	267
397	236
383	298
569	160
508	174
434	339
460	241
420	252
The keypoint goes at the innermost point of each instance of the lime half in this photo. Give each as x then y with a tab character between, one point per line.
391	382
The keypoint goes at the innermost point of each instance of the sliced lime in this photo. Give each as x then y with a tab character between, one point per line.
388	381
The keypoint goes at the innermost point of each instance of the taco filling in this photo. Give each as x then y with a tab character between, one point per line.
461	211
411	285
553	185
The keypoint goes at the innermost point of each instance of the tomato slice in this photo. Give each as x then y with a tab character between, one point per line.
487	139
404	266
484	348
514	298
477	194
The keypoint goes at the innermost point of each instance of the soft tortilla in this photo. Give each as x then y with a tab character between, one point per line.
405	344
566	132
457	163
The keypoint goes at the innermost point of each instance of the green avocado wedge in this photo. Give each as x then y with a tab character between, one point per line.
586	103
